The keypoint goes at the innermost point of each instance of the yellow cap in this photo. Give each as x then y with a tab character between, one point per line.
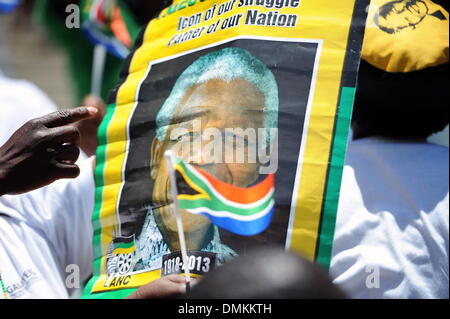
406	35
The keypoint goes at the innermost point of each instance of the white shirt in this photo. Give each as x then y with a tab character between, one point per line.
392	225
20	101
44	231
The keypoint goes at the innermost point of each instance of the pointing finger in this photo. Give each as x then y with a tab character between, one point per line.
68	116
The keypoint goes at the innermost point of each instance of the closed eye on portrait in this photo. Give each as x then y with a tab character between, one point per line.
230	138
190	114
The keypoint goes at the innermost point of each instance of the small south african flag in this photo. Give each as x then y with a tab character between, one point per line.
244	211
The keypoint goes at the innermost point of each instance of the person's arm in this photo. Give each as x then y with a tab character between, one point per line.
42	151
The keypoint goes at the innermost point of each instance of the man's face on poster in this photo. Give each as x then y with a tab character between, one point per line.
214	104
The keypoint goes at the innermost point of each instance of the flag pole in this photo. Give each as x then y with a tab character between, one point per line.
98	67
170	162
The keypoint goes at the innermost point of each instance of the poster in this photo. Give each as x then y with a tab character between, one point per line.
274	77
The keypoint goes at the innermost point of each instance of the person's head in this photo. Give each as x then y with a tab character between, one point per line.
225	89
266	273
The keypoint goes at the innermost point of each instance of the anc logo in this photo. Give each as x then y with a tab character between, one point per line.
120	260
396	16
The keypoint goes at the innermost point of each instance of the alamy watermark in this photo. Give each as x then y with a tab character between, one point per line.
73	280
373	279
73	19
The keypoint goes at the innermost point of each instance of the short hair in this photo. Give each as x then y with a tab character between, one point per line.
252	276
226	64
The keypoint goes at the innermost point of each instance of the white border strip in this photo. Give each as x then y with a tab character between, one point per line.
301	156
240	37
122	184
305	127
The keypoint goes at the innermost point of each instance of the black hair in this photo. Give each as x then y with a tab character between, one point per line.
401	105
267	273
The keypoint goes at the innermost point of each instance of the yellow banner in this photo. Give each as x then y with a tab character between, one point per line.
210	60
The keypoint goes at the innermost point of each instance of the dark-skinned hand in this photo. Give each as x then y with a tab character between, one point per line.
42	151
88	128
172	286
